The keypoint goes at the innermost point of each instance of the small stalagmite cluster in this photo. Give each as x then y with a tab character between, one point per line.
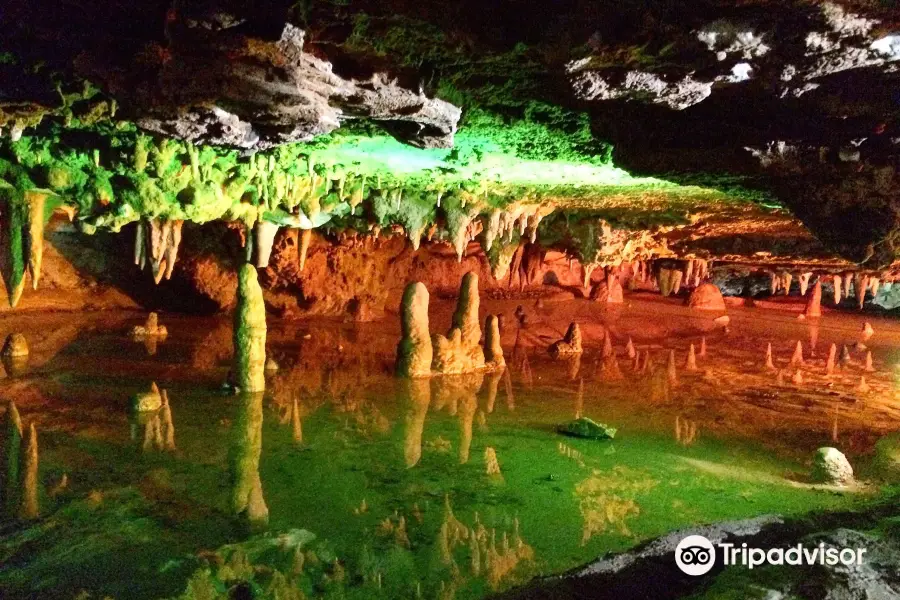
19	468
420	354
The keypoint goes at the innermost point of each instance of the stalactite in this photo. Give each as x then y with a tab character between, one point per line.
676	281
492	230
688	271
862	284
303	249
263	240
140	245
774	283
174	242
836	282
874	285
168	427
249	333
804	282
848	281
786	279
35	234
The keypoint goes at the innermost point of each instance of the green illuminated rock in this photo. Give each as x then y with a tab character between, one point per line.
588	429
247	500
249	333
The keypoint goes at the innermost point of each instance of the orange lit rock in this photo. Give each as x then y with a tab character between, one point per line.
706	296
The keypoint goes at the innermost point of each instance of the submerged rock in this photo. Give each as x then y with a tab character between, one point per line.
830	466
588	429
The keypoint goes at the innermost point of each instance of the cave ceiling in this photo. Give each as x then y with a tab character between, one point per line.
644	113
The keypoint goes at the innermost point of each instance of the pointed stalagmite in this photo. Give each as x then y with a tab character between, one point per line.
629	349
703	347
770	365
303	250
845	354
491	465
691	364
493	351
863	387
29	507
570	344
249	335
797	378
814	301
869	368
10	460
671	370
832	356
797	357
607	346
414	352
837	284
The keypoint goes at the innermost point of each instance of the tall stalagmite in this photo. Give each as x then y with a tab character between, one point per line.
249	333
814	301
414	352
247	500
493	351
460	351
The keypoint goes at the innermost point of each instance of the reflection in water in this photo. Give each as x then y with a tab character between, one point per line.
607	500
15	366
685	431
418	396
247	500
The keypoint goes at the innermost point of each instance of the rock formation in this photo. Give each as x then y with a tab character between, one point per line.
249	335
570	344
15	346
814	301
460	351
491	465
691	363
671	369
151	328
493	351
831	467
797	356
414	352
149	401
706	296
830	362
770	365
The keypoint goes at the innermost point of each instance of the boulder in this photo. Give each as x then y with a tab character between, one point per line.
830	466
588	429
706	296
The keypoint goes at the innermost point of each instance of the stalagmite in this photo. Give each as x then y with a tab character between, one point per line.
797	378
804	282
629	349
691	364
467	406
168	427
493	351
150	328
35	234
303	250
845	355
607	345
10	455
247	501
671	371
29	507
836	282
770	365
570	344
249	335
862	284
814	301
263	239
863	387
832	356
296	423
868	367
460	351
414	352
703	347
866	333
797	357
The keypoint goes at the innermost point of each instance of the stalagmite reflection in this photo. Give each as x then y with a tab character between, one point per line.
247	501
418	399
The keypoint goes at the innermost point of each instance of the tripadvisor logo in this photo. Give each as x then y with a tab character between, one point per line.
696	555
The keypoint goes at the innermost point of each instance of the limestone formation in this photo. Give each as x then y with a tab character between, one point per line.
797	377
303	249
16	346
607	350
770	365
263	239
837	285
10	460
691	364
831	467
706	296
797	357
629	349
863	387
609	291
786	278
29	505
167	426
804	282
151	328
862	284
703	347
150	401
869	368
493	351
866	333
35	233
414	352
159	240
249	333
460	351
814	301
570	344
247	501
